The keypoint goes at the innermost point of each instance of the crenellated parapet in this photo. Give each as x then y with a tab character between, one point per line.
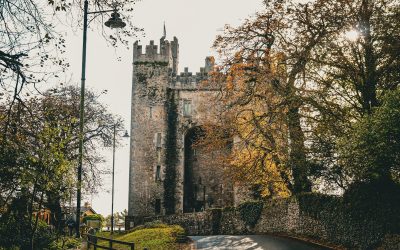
167	52
188	80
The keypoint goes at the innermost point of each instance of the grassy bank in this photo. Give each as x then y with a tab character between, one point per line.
151	236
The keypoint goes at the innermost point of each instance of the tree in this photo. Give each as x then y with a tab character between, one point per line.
32	46
293	82
370	155
40	151
372	151
350	74
263	63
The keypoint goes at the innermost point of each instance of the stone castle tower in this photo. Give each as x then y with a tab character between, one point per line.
167	175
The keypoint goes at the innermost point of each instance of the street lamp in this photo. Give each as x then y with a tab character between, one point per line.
126	135
114	22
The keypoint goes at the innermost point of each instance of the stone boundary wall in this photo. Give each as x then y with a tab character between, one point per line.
281	216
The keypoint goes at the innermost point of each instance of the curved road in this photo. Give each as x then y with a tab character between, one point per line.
251	242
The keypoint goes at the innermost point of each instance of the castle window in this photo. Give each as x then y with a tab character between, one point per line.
157	206
187	108
158	155
151	112
158	140
158	173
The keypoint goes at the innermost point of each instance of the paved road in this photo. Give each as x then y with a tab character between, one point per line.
251	242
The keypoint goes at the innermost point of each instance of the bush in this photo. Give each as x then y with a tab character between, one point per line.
316	205
16	234
376	200
372	148
216	214
93	217
250	212
155	224
65	243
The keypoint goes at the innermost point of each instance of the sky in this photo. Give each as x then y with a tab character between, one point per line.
195	23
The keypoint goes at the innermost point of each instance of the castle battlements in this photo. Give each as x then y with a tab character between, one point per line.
155	52
168	52
188	80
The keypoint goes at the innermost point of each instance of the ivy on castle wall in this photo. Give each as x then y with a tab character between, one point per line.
250	212
141	78
171	154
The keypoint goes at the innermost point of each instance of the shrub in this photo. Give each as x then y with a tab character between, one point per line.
65	243
250	212
317	205
155	224
93	217
376	200
216	214
15	234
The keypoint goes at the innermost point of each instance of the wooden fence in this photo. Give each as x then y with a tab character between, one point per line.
92	240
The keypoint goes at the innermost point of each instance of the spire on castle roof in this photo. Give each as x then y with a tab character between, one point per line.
165	31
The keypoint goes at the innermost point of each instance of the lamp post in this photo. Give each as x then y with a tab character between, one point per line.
126	135
114	22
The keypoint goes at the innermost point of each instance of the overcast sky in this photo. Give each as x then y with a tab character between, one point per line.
195	23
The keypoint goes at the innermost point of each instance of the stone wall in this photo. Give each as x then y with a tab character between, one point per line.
289	216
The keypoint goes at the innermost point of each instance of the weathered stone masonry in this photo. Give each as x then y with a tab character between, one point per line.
327	222
165	122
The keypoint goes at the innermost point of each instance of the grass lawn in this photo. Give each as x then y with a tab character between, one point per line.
155	236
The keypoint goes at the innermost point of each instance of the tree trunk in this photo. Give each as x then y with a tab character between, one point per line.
35	225
368	94
53	203
297	155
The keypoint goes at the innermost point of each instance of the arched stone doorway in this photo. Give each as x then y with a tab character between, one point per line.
204	182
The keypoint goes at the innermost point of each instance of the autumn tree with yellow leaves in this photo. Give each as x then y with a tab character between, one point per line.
292	82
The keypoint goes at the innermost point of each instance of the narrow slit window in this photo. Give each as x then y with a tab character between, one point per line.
158	140
158	155
187	108
158	173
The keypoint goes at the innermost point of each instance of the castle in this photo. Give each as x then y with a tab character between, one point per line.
168	175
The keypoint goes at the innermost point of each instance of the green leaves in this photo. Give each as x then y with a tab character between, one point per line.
373	148
250	212
39	151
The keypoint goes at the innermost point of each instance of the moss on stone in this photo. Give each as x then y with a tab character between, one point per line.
141	77
152	63
171	154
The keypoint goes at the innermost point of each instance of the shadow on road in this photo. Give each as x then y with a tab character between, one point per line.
251	242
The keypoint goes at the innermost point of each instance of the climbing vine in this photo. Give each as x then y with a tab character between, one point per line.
171	155
141	77
250	212
216	214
